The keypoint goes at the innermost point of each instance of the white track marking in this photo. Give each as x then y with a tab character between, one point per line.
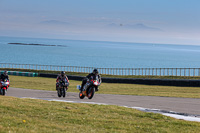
169	113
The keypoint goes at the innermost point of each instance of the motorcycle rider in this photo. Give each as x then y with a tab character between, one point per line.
95	73
62	77
4	76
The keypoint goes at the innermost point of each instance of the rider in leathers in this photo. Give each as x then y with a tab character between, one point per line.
4	76
62	77
91	75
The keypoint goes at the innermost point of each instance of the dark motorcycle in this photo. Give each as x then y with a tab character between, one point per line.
62	87
89	88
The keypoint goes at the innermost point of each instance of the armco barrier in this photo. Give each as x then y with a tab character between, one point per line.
79	78
28	74
163	82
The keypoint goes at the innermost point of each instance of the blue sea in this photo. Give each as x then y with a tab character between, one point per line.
98	54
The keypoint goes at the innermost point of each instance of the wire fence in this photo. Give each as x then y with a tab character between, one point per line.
110	71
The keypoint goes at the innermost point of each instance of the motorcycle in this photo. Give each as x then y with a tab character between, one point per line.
4	86
62	87
89	88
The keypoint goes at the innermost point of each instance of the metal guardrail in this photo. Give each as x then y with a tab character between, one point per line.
191	72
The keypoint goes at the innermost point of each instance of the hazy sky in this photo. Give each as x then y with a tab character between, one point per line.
151	21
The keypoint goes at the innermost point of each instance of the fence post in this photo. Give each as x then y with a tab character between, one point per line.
189	72
149	71
142	71
167	71
163	71
152	71
139	72
135	71
160	71
145	72
199	72
184	71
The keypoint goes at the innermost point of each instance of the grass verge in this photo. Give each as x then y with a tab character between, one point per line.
108	88
31	115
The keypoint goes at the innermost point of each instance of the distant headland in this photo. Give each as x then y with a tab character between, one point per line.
35	44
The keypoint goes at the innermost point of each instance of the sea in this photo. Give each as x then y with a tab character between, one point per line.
99	54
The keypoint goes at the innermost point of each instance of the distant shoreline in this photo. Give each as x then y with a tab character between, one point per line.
35	44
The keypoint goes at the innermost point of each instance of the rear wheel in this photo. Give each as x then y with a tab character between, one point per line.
91	92
81	96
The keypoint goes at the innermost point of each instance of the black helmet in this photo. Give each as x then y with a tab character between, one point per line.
62	73
5	73
95	71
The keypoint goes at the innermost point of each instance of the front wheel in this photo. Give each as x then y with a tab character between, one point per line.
81	96
3	92
59	93
91	92
63	92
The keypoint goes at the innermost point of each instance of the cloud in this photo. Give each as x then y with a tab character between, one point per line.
55	22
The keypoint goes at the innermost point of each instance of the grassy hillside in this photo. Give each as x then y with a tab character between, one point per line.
31	115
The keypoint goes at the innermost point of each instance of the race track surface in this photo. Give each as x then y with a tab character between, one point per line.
185	106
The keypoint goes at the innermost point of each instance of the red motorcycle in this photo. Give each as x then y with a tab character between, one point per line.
4	86
89	88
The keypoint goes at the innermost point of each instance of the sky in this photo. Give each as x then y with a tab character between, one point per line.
143	21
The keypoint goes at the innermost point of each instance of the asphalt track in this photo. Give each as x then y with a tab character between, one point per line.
182	106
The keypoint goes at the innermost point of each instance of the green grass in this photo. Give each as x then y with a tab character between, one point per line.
104	75
31	115
108	88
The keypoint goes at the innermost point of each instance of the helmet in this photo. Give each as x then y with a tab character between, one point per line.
5	72
62	73
95	71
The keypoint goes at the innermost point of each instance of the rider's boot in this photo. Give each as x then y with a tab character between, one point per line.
81	88
96	89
